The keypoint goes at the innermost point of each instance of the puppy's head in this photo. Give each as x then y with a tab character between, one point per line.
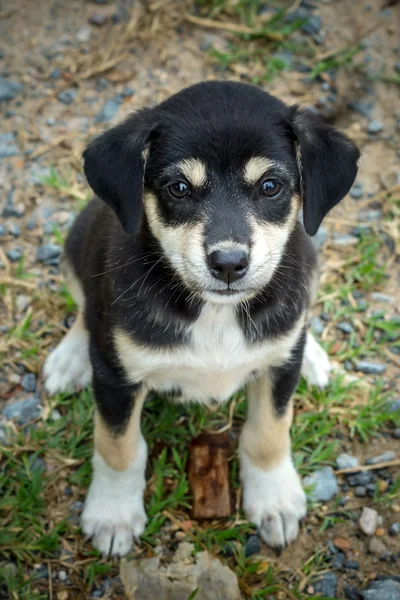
220	172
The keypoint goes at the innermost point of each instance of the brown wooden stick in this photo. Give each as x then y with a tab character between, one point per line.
232	27
382	465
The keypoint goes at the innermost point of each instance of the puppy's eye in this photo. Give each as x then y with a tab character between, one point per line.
270	188
179	190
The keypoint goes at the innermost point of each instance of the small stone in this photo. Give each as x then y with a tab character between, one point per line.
345	327
344	240
252	546
9	89
379	297
385	457
22	302
127	92
8	146
56	415
375	126
83	35
14	230
370	368
362	478
396	433
324	484
62	575
370	215
98	19
351	593
393	406
382	590
347	461
312	26
394	529
56	73
23	411
50	122
376	546
15	254
368	521
360	491
317	325
326	585
49	254
11	209
67	96
361	106
338	560
229	550
342	544
28	382
356	191
351	565
109	110
76	506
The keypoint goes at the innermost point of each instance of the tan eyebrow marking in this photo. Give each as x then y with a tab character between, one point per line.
194	170
255	167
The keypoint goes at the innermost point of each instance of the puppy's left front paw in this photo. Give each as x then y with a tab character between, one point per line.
274	500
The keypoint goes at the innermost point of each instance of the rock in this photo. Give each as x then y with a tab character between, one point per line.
346	461
376	546
312	26
9	89
109	110
11	209
396	433
356	191
370	215
368	521
67	96
351	565
320	237
344	240
345	327
23	411
98	19
342	544
362	478
252	546
14	230
49	254
378	297
148	578
338	560
326	585
393	406
76	506
127	92
56	415
56	73
83	35
370	368
15	254
324	484
361	106
317	325
385	457
22	302
351	593
382	590
8	146
360	491
62	575
50	122
394	529
375	126
28	382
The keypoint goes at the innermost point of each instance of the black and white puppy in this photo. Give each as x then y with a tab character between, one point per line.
194	277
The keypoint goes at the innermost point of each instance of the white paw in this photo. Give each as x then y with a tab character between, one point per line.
114	512
68	367
274	500
315	367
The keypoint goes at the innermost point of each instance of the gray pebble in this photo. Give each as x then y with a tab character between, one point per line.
76	506
347	461
50	122
362	478
15	254
385	457
324	484
312	26
361	106
370	215
345	327
127	92
55	74
344	240
382	590
14	230
351	593
62	575
375	126
396	433
48	253
23	410
370	368
98	19
8	146
326	585
360	491
317	325
2	230
376	546
356	191
351	565
394	529
9	89
109	110
67	96
10	209
56	415
28	382
101	84
378	297
338	561
252	546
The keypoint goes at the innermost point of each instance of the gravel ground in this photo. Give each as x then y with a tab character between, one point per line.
68	70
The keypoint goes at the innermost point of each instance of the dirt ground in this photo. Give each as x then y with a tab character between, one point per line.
79	67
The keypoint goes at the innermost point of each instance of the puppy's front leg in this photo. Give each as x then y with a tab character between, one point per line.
273	497
114	512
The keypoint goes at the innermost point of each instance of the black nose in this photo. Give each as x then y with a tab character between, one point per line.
228	265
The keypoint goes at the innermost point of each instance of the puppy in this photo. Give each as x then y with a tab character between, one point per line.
194	277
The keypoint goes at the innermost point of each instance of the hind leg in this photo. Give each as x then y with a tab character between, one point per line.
68	367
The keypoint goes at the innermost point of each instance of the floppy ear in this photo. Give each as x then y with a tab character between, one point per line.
114	165
327	162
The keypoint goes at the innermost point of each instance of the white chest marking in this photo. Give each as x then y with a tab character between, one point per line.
214	364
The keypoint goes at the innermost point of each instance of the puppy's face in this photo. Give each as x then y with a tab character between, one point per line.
220	172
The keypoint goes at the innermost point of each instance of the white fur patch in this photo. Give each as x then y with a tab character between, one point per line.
274	500
68	366
315	367
114	511
216	361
